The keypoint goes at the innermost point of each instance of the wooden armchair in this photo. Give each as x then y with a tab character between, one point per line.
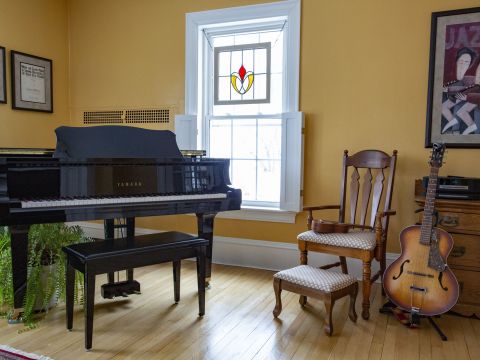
364	241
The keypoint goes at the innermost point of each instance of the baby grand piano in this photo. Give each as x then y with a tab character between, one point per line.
108	172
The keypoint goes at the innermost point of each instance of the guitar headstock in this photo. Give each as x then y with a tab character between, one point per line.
436	159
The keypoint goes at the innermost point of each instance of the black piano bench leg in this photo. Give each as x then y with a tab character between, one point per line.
176	279
201	270
89	303
69	290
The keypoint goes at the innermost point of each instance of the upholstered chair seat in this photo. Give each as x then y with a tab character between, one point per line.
314	278
364	240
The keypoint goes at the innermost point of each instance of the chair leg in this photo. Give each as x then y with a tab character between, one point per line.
328	327
367	285
201	272
277	288
343	264
353	297
303	261
69	293
176	280
89	287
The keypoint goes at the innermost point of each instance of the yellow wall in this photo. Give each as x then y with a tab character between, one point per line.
364	67
38	28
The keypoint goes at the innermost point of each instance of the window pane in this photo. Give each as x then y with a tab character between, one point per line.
244	139
235	95
268	172
244	177
269	139
275	105
248	60
236	61
246	39
224	63
220	138
223	40
224	88
260	61
260	87
269	36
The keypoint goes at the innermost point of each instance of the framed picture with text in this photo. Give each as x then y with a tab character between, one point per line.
3	82
453	105
32	87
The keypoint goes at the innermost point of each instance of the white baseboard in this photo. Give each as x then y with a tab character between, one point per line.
268	255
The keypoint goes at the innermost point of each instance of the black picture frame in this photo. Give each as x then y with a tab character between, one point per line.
453	100
3	75
32	83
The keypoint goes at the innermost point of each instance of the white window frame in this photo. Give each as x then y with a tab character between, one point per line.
293	122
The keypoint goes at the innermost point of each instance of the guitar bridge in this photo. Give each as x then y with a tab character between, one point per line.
416	288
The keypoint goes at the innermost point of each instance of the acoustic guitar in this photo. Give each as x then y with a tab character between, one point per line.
420	281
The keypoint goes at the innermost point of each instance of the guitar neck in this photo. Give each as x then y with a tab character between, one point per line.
427	223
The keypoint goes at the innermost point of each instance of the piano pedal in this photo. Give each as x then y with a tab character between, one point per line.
122	288
16	317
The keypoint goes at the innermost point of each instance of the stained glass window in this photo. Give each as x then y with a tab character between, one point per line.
242	74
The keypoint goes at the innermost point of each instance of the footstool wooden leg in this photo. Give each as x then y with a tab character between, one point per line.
353	297
303	261
277	287
329	302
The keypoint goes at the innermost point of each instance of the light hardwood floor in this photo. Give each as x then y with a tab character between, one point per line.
238	325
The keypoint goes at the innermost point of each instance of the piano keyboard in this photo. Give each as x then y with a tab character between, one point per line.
117	200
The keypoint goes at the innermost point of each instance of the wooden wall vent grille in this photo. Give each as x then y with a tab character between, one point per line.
147	116
103	117
132	116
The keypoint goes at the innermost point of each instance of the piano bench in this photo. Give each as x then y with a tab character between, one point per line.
106	256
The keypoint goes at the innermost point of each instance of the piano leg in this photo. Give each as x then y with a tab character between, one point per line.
205	231
130	233
129	286
19	247
109	230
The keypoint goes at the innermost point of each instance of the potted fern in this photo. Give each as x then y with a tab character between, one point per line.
46	268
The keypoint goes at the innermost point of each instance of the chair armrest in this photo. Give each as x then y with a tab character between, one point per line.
381	214
363	227
322	207
310	210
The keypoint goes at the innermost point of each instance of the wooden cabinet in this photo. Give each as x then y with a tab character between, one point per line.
461	218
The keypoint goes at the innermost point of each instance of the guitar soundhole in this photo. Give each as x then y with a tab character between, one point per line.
440	277
401	270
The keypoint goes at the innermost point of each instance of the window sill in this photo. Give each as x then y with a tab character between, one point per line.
259	214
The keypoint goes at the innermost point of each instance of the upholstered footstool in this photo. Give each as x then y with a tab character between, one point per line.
321	284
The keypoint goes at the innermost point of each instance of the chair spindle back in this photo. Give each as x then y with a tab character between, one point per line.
375	166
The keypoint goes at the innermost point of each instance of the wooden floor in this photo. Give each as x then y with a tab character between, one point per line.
238	325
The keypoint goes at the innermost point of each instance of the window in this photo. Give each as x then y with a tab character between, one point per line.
238	64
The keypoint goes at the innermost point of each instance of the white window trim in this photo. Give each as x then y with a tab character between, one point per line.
195	24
